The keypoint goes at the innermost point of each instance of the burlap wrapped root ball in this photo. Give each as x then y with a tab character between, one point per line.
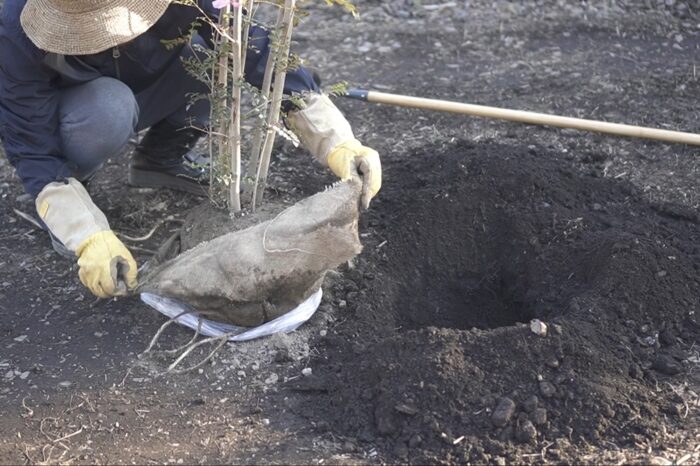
252	276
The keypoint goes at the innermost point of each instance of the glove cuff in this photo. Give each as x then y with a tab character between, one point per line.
320	126
68	211
105	236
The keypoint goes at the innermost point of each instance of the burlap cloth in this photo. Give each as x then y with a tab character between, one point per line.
251	276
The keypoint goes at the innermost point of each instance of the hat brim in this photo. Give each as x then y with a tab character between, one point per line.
88	32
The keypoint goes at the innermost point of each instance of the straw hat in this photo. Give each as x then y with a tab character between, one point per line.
83	27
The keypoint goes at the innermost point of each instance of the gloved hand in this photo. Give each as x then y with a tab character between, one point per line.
106	265
352	159
325	132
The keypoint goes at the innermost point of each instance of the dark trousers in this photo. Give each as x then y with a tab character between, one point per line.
98	118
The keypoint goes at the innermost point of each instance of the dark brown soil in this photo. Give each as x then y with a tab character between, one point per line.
422	350
491	236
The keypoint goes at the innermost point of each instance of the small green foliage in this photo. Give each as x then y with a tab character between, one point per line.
206	67
184	39
347	5
338	89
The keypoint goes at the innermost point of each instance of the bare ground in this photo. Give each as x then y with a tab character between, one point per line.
392	377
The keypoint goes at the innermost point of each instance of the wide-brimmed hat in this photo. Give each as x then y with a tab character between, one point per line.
83	27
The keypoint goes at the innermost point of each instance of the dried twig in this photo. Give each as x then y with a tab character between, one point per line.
65	437
160	331
28	218
147	236
221	342
30	411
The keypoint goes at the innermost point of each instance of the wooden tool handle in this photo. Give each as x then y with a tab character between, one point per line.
526	117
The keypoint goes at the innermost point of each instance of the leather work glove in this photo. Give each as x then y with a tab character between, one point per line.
106	267
352	159
325	132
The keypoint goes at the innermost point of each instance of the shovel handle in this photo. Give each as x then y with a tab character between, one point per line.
520	116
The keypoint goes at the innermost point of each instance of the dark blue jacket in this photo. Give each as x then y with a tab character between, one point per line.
31	79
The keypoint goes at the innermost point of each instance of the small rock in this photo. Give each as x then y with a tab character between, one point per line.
658	461
558	329
273	378
506	434
24	198
241	374
667	365
525	432
530	404
500	461
547	389
406	409
282	355
401	451
65	384
538	327
349	446
384	423
650	340
24	375
503	412
342	304
661	273
552	362
266	422
21	338
539	416
446	439
323	333
415	441
635	371
307	371
667	338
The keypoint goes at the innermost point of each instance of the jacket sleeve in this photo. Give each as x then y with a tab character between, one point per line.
28	106
299	80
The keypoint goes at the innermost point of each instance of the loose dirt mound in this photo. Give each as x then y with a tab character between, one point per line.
470	242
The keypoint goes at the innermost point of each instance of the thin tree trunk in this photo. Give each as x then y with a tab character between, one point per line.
246	30
235	129
220	104
253	171
273	114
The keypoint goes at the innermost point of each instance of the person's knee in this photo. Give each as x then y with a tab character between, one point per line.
97	120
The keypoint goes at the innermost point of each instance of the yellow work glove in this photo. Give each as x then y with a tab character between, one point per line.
353	160
106	266
325	132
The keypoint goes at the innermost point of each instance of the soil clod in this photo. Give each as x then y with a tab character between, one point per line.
547	389
525	431
667	365
503	412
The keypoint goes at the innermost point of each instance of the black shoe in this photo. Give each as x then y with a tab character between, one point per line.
165	158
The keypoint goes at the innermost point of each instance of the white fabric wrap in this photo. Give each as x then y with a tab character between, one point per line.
69	212
320	126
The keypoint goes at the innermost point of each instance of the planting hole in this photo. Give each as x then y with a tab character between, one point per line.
462	276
